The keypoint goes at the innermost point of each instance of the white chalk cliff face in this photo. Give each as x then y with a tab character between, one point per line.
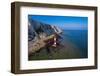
38	29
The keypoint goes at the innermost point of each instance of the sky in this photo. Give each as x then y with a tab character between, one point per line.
63	22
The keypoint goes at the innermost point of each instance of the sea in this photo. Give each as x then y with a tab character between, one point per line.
78	38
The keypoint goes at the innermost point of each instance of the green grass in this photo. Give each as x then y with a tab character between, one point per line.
58	53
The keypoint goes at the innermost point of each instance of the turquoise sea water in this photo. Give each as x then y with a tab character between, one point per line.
79	38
